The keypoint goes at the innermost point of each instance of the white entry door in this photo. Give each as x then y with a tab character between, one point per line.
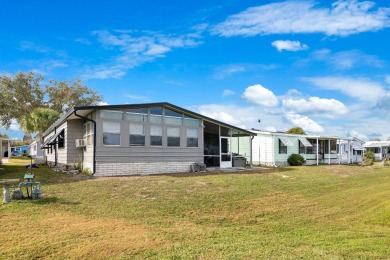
226	155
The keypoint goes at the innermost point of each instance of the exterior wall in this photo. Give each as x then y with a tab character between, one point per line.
119	169
74	130
5	150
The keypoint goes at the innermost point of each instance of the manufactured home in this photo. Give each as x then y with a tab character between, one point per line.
274	148
141	139
381	149
351	150
36	152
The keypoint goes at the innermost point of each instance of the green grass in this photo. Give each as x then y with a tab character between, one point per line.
313	212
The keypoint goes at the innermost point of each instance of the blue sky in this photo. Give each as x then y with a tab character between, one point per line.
320	65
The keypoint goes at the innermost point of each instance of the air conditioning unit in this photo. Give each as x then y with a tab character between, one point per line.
80	142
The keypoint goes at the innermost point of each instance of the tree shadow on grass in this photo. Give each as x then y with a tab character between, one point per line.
47	201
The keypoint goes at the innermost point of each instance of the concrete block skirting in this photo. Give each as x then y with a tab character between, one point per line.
121	169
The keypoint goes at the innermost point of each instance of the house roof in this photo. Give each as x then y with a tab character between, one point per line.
295	135
377	144
85	110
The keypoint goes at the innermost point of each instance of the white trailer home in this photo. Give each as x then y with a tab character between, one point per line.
274	148
381	149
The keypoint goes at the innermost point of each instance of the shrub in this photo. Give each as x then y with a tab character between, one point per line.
296	160
368	158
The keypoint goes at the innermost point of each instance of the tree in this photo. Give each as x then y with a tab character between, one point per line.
64	95
20	95
5	136
24	94
39	120
296	130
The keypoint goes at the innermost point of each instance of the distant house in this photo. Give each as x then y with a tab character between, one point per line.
20	150
381	149
36	152
5	150
351	150
274	148
140	139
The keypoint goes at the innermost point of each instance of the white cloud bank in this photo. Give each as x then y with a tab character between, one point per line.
260	95
362	89
133	48
304	122
281	45
315	105
343	18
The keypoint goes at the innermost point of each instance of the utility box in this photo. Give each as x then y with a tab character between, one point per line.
239	161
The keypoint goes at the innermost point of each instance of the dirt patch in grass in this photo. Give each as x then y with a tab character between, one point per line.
72	236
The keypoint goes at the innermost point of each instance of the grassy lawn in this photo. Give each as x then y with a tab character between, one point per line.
316	212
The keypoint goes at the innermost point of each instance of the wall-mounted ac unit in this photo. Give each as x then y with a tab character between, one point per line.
80	142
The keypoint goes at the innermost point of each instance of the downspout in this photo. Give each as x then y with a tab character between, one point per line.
317	150
329	151
251	139
55	149
94	139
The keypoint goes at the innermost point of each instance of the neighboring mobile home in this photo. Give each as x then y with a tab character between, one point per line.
274	148
5	150
36	152
20	150
351	150
381	149
140	139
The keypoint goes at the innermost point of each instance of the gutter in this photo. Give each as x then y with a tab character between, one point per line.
94	139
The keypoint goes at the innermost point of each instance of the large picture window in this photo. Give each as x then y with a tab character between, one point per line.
172	117
111	114
156	115
156	135
137	134
137	114
192	137
173	136
111	133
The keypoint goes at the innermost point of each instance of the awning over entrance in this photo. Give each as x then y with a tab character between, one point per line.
286	141
305	142
357	146
50	141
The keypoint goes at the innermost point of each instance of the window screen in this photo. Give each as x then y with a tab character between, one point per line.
192	137
137	134
156	135
111	114
111	133
173	136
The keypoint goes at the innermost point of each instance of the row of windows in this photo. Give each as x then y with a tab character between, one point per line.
154	115
324	146
137	134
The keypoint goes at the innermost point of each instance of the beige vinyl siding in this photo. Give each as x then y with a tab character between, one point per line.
74	130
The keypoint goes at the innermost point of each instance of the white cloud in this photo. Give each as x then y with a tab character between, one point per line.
361	88
133	48
343	18
102	103
347	59
229	70
289	45
304	122
315	105
225	71
137	97
387	79
228	92
259	95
